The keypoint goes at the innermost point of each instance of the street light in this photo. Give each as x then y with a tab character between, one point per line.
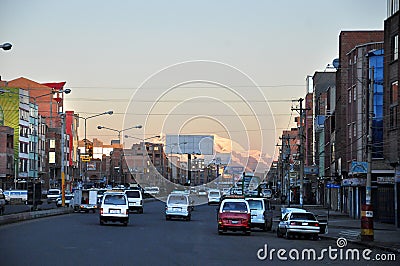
66	91
85	140
6	46
143	145
119	140
119	131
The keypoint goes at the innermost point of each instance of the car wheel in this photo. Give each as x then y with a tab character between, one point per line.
287	235
314	237
265	227
141	210
188	218
278	233
101	222
167	218
247	233
126	223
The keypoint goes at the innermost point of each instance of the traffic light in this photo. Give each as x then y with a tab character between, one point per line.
90	150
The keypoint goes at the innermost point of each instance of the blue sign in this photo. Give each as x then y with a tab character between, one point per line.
330	185
359	168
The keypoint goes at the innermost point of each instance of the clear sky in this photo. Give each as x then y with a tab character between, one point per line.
105	51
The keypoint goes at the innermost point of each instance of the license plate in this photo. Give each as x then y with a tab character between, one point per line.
177	209
304	223
115	211
235	222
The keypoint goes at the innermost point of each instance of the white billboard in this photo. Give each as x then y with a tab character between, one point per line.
189	144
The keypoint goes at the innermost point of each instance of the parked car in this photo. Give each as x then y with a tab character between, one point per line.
114	208
298	222
261	213
68	200
214	197
20	196
202	192
178	206
135	200
234	215
53	194
151	191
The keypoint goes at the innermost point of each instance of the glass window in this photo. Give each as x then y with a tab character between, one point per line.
395	47
394	93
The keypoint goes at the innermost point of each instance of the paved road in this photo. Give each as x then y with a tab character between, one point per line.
78	239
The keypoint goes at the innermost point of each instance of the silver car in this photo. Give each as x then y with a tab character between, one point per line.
178	206
297	223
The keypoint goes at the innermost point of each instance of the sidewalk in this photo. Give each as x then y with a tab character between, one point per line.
386	236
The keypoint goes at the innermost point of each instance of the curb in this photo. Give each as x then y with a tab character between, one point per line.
365	244
24	216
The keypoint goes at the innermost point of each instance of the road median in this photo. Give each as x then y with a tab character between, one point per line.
24	216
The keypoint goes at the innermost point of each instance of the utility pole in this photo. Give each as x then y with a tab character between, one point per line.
301	148
367	227
285	162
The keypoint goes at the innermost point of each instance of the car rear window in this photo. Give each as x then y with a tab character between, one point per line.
302	216
214	194
177	200
115	199
132	194
255	204
235	206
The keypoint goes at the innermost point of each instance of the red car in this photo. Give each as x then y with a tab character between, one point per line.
234	215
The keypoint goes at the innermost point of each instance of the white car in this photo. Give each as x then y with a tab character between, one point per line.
114	208
214	197
298	222
53	194
151	191
178	206
135	200
69	198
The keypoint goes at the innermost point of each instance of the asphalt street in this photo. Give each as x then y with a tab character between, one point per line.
78	239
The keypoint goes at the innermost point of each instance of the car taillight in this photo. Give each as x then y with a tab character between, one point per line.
141	202
101	210
316	224
188	208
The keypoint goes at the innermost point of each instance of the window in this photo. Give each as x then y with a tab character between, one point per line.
393	7
393	105
349	92
394	93
395	47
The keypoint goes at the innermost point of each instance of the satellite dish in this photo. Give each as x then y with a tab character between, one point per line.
335	63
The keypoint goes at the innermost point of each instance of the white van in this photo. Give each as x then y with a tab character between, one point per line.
135	200
214	197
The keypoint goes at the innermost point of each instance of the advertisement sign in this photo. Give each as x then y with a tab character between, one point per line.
359	168
189	144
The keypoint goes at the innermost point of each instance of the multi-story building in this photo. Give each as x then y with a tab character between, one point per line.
391	110
6	155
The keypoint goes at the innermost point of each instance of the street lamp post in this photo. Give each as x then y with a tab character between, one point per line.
119	140
85	140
